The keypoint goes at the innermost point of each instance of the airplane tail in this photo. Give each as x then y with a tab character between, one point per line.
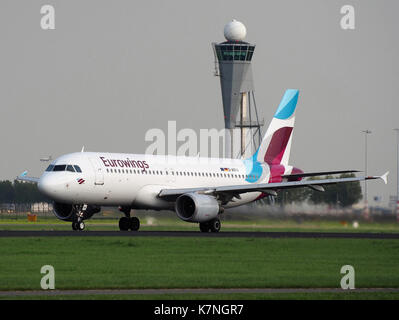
276	144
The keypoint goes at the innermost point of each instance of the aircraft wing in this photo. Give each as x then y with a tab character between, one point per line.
314	174
269	188
23	177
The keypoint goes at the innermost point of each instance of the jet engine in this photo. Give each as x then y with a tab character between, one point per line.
194	207
67	212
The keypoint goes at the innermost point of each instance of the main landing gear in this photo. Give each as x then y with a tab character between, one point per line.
128	223
210	226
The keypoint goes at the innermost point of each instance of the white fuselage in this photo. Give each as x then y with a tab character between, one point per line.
117	179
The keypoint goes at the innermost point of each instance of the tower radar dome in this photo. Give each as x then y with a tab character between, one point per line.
235	31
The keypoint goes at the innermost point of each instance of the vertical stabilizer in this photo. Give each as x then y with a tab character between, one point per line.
276	144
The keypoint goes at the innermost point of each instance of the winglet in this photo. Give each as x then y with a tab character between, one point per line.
23	174
384	177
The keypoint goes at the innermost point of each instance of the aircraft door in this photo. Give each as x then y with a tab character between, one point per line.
98	171
171	175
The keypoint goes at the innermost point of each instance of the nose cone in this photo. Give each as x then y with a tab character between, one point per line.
51	186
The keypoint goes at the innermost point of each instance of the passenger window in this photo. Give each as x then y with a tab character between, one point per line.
77	168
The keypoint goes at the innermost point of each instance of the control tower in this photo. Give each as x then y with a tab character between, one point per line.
233	65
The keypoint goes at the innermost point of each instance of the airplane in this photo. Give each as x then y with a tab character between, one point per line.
197	189
49	158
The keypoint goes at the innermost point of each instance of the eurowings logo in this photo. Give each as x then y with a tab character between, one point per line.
80	180
228	169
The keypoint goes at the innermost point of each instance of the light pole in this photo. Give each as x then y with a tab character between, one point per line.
397	181
366	206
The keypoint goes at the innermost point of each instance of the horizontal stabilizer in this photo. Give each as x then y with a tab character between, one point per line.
317	188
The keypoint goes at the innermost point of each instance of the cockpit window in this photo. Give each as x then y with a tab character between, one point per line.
64	167
60	167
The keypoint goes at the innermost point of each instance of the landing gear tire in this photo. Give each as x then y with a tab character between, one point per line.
215	225
204	226
134	224
124	224
80	226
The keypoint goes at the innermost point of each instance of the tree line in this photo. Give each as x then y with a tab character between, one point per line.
20	192
342	194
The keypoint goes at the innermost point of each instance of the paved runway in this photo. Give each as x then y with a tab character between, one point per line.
229	234
188	291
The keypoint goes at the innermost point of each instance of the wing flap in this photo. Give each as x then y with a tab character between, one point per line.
315	174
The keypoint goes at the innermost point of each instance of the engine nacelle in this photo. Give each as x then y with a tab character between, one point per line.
63	211
66	212
194	207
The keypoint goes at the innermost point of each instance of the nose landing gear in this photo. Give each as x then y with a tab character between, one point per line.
77	223
128	223
80	226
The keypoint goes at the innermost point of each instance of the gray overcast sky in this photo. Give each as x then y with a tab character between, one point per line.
114	69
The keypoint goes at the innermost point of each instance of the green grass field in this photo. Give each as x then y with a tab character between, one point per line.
96	262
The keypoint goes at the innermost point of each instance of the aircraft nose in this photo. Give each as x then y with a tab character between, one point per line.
49	186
